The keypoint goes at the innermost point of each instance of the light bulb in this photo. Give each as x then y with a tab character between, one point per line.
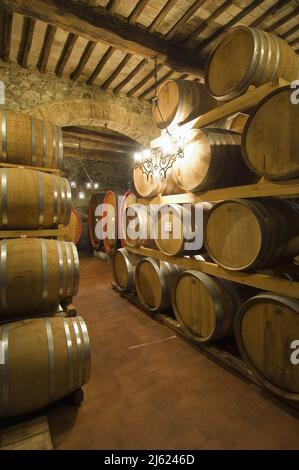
88	185
96	186
137	157
73	184
167	145
81	195
146	154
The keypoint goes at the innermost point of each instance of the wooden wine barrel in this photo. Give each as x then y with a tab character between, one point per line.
153	281
254	233
73	230
265	327
247	56
33	200
123	268
95	200
178	225
212	159
270	140
205	306
152	185
180	101
110	213
138	223
234	123
44	360
29	141
41	272
128	199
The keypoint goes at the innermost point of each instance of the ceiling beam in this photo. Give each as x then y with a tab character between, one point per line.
294	42
183	20
133	17
113	5
144	80
206	42
96	25
269	12
283	20
46	48
163	13
6	27
130	76
116	72
65	54
90	46
95	138
100	66
159	82
290	32
26	41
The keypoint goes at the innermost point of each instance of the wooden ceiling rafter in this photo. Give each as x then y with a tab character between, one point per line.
159	82
46	48
269	12
89	48
130	76
100	65
144	80
65	54
183	20
116	72
290	32
162	15
26	41
113	5
6	29
134	15
283	20
294	42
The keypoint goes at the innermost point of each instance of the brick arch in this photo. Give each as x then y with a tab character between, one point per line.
85	112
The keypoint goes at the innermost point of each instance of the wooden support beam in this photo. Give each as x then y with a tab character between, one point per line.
206	42
130	76
283	20
144	80
118	69
26	41
163	13
159	82
65	54
189	13
90	46
269	12
290	32
208	21
294	42
80	143
113	5
100	66
137	11
6	26
46	48
96	24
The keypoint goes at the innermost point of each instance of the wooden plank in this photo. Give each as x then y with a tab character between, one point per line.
7	18
261	281
46	48
130	76
283	20
26	41
239	104
118	69
269	12
159	82
163	13
144	80
187	15
96	25
29	435
113	5
140	6
90	46
54	171
100	65
65	54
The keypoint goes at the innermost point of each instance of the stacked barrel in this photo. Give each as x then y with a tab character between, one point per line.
251	235
44	355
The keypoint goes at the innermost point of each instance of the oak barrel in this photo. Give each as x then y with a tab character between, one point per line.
246	56
180	101
123	268
265	328
33	200
234	123
204	305
44	360
128	199
179	228
138	224
110	222
212	159
29	141
94	217
42	273
252	233
153	281
270	140
153	185
73	230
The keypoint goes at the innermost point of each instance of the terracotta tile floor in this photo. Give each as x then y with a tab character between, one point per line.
162	395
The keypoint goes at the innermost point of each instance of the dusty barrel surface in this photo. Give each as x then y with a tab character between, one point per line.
270	140
73	230
180	101
205	306
32	199
246	56
154	280
95	200
29	141
44	360
123	269
212	159
41	272
265	328
255	233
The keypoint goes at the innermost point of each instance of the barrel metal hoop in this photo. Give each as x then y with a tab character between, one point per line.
60	146
4	197
3	260
68	201
79	351
69	346
70	274
55	200
45	271
41	199
86	348
264	37
76	268
51	354
60	267
4	135
4	371
246	80
54	138
33	142
62	209
277	55
44	144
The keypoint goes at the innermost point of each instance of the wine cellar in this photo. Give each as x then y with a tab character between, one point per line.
149	225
